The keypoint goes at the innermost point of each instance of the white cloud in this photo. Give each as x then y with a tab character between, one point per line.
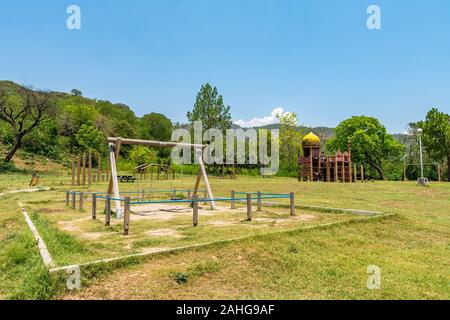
259	122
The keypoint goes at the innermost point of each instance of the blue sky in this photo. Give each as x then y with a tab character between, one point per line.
316	58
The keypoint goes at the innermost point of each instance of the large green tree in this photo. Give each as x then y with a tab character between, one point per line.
210	109
436	135
155	126
290	137
369	140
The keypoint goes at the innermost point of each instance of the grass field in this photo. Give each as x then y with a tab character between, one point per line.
276	260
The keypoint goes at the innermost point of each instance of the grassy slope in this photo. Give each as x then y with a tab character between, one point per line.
412	249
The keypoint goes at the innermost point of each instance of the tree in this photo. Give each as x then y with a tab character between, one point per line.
155	126
24	110
76	92
370	143
90	139
290	136
143	155
436	135
210	109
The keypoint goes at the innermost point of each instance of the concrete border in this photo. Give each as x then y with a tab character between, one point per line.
43	251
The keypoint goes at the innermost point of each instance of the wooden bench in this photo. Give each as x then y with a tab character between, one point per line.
126	178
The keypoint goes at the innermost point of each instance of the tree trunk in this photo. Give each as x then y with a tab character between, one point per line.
16	146
448	168
379	170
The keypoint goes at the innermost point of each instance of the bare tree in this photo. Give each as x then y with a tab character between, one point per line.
24	110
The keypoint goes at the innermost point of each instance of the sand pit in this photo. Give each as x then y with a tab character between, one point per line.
164	233
163	211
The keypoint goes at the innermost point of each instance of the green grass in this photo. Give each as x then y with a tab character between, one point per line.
412	248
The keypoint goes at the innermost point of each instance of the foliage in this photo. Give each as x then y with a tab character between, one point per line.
7	166
76	92
24	110
290	138
155	126
142	155
90	139
210	109
436	135
370	143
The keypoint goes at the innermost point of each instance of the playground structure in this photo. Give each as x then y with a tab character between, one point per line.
314	165
163	172
82	171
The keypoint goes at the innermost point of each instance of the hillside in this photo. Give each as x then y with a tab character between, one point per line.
79	123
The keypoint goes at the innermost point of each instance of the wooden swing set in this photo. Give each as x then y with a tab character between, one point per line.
114	145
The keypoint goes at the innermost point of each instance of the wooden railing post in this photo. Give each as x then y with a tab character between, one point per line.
81	206
74	195
249	207
233	205
94	206
126	217
292	203
108	211
259	202
67	198
195	210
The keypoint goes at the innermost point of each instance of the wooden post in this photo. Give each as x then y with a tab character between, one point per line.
74	196
355	178
142	194
328	170
362	173
73	171
349	164
99	168
114	183
206	181
78	171
343	168
90	169
249	207
81	205
94	206
404	172
108	166
259	202
197	181
108	211
195	210
67	198
84	170
336	163
126	217
439	172
233	205
292	203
